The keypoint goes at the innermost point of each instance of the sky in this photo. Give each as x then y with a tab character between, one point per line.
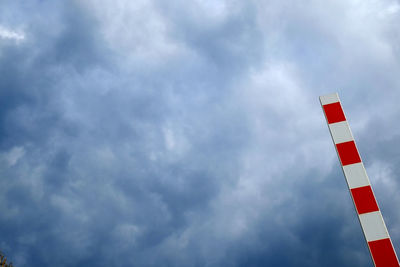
189	133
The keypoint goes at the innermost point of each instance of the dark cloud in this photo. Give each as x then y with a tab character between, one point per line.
189	133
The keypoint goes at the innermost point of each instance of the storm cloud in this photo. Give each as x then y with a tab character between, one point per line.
189	133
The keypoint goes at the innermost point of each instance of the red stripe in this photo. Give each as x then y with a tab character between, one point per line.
334	112
348	153
364	199
383	253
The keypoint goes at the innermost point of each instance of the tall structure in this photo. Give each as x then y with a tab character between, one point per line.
369	215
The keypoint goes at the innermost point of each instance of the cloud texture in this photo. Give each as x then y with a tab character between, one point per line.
189	133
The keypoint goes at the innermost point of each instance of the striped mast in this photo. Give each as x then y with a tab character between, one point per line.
369	215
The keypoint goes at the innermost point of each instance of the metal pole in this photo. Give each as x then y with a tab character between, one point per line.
369	214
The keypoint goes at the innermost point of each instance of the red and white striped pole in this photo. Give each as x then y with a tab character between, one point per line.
372	224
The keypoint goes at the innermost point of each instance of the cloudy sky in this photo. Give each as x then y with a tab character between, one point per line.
189	133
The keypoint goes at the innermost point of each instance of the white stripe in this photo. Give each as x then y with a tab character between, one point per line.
373	226
328	99
356	175
340	132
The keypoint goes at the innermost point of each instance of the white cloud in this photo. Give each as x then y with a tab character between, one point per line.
10	34
13	156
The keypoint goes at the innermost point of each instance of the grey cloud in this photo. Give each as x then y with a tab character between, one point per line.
190	133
